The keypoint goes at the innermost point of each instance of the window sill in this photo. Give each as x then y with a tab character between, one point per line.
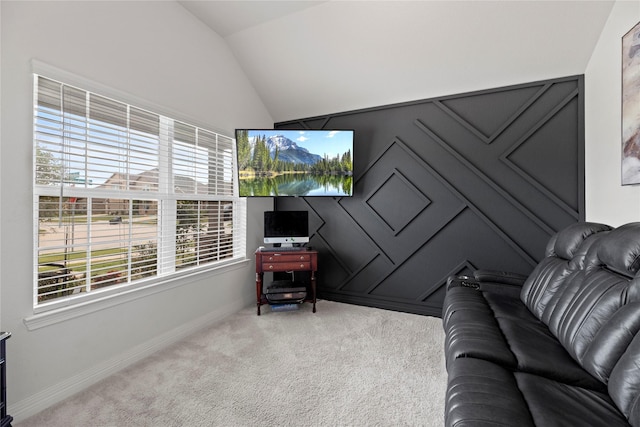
88	306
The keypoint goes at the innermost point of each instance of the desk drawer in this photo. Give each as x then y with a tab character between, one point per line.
287	257
286	266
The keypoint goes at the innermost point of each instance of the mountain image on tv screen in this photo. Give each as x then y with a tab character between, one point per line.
301	163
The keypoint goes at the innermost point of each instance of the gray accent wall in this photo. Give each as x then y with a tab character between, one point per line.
447	185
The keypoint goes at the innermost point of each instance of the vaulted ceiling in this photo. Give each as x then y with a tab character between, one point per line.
308	58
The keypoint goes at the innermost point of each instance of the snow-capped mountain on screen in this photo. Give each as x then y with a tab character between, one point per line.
289	151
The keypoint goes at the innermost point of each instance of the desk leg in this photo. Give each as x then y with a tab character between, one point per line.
259	290
313	289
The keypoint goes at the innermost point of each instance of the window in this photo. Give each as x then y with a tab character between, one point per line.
124	196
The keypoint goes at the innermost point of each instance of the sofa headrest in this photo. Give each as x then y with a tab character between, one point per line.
568	240
619	250
585	255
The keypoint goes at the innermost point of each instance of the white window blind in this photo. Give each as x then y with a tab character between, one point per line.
123	195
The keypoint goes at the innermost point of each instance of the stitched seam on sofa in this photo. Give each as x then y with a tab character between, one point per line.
596	338
497	323
581	297
586	317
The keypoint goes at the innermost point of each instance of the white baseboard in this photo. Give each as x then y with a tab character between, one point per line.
52	395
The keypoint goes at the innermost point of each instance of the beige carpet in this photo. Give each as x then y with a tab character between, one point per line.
343	366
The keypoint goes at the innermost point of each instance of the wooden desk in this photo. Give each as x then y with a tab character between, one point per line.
285	261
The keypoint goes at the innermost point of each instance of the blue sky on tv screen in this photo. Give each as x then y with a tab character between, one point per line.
330	142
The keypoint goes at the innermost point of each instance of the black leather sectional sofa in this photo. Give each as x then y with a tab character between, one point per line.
557	348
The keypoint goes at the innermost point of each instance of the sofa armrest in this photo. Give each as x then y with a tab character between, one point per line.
462	281
503	277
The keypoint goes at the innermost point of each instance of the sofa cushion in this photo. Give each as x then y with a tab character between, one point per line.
553	403
537	351
533	345
505	304
480	393
471	329
499	328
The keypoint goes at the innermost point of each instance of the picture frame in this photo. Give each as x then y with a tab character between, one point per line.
631	106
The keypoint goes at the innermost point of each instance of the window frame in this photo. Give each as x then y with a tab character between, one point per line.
139	288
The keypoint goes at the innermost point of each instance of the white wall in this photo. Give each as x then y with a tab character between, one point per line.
156	52
607	200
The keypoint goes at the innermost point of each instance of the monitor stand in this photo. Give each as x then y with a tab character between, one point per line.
287	247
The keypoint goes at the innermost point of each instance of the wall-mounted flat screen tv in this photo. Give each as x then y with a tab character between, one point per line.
298	163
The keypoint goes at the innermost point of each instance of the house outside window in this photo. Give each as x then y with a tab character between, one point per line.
124	196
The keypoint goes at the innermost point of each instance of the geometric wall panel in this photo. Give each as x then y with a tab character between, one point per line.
397	201
447	185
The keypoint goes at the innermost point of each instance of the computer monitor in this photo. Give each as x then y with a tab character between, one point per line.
287	228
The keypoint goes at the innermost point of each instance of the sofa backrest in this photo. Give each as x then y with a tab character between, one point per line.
564	256
595	313
552	299
612	340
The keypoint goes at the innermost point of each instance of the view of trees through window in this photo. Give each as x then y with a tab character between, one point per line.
124	242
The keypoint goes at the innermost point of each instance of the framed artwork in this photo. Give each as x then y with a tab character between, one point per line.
631	106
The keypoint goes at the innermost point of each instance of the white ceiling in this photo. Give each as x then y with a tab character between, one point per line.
228	17
308	58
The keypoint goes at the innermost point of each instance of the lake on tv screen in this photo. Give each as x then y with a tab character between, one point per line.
295	163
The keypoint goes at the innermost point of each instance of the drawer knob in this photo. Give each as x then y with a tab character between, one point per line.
271	267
